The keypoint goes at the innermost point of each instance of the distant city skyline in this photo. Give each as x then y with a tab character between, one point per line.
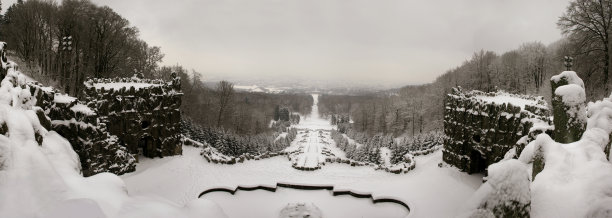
384	42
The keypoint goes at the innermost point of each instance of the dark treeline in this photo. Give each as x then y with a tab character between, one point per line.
525	70
243	113
232	144
62	44
237	123
407	112
419	108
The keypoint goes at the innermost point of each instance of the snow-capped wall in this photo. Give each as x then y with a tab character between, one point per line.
98	150
143	113
481	127
40	171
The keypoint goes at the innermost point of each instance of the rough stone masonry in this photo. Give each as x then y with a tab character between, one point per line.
143	113
481	127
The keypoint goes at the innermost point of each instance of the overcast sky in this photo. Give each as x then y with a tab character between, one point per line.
383	41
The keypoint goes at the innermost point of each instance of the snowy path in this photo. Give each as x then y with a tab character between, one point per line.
425	189
311	148
313	143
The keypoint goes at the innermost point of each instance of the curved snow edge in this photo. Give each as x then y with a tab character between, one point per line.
334	191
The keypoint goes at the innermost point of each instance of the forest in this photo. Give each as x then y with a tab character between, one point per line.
61	45
416	109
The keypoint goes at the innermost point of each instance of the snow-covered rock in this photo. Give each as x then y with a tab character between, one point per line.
505	194
569	108
45	180
300	210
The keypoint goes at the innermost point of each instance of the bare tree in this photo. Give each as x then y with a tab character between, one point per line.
225	93
588	22
535	58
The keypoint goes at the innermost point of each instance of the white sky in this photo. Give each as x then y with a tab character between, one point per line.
382	41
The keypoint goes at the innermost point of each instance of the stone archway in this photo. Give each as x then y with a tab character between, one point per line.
478	163
146	145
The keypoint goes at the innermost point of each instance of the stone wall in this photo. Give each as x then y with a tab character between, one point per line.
480	131
144	114
98	150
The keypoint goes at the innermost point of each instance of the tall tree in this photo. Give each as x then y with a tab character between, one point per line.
588	23
225	93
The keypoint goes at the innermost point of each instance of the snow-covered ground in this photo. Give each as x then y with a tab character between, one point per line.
429	190
269	204
312	149
314	121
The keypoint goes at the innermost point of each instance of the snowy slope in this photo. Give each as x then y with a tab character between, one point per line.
44	180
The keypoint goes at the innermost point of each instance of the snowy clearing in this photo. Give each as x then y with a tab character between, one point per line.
425	189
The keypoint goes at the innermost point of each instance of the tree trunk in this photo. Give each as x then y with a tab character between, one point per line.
606	67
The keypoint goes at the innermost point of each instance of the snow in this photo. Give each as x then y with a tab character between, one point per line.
425	189
45	180
599	114
385	155
300	210
118	85
256	88
352	141
314	121
312	148
577	178
508	181
63	98
83	109
571	94
571	76
506	98
252	88
268	204
282	135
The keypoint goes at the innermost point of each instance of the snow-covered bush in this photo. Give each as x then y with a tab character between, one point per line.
505	194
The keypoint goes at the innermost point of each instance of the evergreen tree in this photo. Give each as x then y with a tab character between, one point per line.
276	113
